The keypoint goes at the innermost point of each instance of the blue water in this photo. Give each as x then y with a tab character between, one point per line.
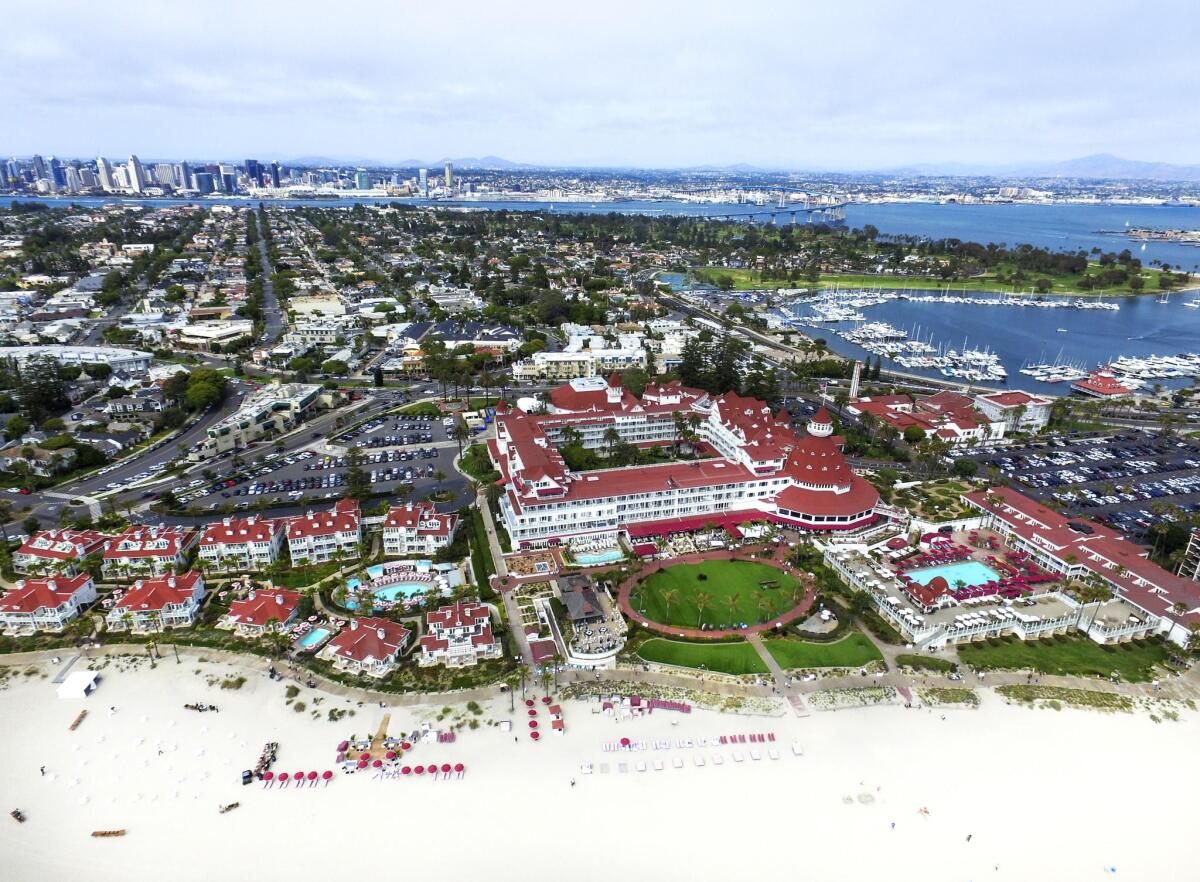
386	594
1065	227
592	558
313	637
970	573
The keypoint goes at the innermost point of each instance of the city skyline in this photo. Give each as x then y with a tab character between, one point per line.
848	90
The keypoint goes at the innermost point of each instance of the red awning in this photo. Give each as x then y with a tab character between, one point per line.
645	549
728	521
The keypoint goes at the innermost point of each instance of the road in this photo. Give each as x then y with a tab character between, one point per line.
273	323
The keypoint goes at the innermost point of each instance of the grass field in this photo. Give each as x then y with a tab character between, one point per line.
745	279
926	663
1077	656
727	658
670	596
853	651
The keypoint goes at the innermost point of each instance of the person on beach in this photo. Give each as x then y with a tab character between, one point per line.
43	771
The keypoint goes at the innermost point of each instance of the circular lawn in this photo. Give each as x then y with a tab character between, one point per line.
716	594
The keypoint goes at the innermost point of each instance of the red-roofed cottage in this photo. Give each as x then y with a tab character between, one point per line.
369	646
57	551
317	536
417	528
158	604
262	610
148	551
458	635
237	544
45	604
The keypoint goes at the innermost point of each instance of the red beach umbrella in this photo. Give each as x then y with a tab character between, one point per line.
283	777
365	756
312	776
445	767
532	712
343	745
327	774
406	746
534	735
458	767
529	702
624	742
545	699
362	764
533	724
391	754
377	763
299	776
420	770
406	770
267	776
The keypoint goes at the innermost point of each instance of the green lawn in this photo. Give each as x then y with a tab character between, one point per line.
853	651
721	580
926	663
726	658
745	279
1077	656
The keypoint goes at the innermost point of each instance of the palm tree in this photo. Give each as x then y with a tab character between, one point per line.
669	596
545	677
703	599
556	661
512	679
611	438
460	434
732	602
438	477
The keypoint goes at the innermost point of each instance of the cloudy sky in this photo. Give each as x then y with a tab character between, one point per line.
795	83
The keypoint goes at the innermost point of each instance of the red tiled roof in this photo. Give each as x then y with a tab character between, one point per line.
151	594
457	615
237	531
34	594
339	519
420	516
372	638
145	542
63	544
267	604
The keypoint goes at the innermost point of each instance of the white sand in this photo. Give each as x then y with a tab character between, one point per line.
1044	794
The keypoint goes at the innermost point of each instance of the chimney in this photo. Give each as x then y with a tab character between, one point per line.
380	632
354	624
226	521
170	581
279	598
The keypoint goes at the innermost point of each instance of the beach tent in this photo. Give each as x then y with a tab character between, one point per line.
79	684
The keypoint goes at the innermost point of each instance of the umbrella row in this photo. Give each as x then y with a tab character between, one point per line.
269	778
432	768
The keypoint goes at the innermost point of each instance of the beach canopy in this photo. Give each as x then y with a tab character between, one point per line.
327	774
391	754
377	763
458	767
406	770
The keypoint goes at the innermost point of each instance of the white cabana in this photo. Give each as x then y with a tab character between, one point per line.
79	684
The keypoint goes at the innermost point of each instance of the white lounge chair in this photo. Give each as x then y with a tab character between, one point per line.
677	762
773	753
797	748
737	756
658	765
699	760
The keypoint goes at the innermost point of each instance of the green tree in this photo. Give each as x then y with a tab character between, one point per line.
358	486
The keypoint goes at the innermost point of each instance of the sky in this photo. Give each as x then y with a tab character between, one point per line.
801	84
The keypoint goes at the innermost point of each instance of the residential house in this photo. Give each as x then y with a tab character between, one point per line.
148	551
458	636
152	605
417	528
369	646
317	537
263	610
241	544
45	604
57	551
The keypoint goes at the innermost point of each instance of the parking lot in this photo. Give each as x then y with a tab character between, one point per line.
398	451
1129	481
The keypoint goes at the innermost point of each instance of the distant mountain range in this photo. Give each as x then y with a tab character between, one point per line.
1096	166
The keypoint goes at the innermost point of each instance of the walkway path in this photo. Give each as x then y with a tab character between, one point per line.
776	560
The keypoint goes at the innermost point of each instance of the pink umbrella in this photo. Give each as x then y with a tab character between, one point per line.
391	754
534	735
420	770
406	746
365	756
362	764
406	770
312	777
532	712
545	699
283	779
377	763
445	768
533	724
529	702
299	776
327	775
624	742
343	745
458	767
267	778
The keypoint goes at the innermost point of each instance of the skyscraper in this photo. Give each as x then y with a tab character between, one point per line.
423	174
164	173
449	174
254	173
204	182
362	180
183	175
228	178
74	184
39	167
55	174
275	175
104	172
137	174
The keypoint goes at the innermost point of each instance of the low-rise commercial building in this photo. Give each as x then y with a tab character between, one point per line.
271	410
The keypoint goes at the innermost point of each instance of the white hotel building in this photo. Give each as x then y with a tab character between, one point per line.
762	470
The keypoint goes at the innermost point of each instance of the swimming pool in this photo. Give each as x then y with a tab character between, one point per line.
969	572
591	558
313	637
387	593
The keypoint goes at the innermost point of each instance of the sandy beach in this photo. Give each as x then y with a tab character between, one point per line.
1042	794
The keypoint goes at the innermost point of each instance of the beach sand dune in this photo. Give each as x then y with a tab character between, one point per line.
1041	794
